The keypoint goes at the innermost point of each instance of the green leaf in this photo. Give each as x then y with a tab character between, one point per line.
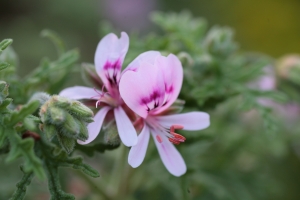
4	65
77	163
4	44
20	192
5	103
24	147
54	185
59	44
18	116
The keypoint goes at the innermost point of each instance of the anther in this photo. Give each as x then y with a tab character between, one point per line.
175	137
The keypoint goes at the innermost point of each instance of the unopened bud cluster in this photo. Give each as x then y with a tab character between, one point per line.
66	119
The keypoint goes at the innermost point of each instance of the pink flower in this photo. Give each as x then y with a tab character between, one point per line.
149	87
109	58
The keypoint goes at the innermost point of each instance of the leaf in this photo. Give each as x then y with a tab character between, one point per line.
2	136
24	148
4	65
4	44
18	116
59	44
20	192
77	163
54	160
5	103
100	147
54	185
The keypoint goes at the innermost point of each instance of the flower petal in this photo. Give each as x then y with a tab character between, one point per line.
125	127
109	58
173	76
95	127
169	155
80	92
137	153
190	121
142	90
148	56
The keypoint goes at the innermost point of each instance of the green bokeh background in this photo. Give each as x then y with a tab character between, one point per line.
269	26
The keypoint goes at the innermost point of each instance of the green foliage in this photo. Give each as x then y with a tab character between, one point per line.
19	124
53	160
21	186
90	150
235	158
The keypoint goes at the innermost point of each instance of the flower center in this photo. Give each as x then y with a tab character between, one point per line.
173	137
161	131
105	97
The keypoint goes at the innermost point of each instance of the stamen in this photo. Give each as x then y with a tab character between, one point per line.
175	137
158	138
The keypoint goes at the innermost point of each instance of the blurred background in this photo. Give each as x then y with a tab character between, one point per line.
269	26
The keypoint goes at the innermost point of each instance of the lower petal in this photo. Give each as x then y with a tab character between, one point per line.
125	127
190	121
79	92
137	153
95	127
169	155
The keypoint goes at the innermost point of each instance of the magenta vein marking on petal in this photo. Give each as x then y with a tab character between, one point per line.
169	89
153	97
115	67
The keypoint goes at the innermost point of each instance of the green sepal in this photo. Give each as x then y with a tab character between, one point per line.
49	130
70	128
66	143
83	134
81	111
56	116
60	101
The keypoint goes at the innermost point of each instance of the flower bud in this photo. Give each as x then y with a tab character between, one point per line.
70	127
55	116
66	143
50	131
66	119
80	110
